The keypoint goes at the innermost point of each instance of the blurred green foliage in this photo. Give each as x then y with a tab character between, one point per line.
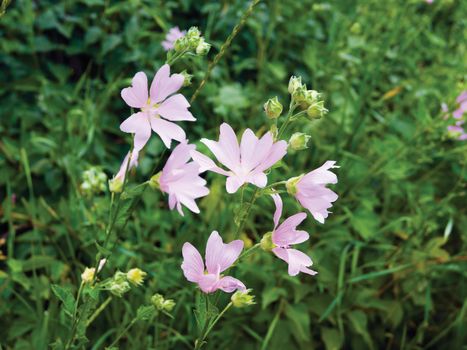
392	256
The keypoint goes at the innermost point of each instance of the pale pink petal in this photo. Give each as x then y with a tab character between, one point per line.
175	108
139	125
205	163
321	175
167	131
248	149
179	156
308	271
136	96
219	153
208	283
278	212
192	266
259	154
164	85
277	152
229	284
220	256
258	179
125	164
229	144
295	258
233	183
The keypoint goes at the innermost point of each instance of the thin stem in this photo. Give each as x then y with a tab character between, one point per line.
247	213
288	119
224	47
98	311
175	57
249	251
127	328
200	342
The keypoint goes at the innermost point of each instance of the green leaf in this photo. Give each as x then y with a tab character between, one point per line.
300	320
66	297
358	321
332	338
270	295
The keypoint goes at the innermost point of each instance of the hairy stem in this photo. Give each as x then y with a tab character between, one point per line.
224	47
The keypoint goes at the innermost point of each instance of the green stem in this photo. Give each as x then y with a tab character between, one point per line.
245	216
127	328
224	47
200	341
175	57
288	119
98	311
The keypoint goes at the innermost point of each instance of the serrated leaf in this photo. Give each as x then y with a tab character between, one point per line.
66	297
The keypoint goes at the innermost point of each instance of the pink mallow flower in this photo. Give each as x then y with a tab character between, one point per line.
180	179
462	102
160	102
219	257
286	234
311	191
246	162
171	37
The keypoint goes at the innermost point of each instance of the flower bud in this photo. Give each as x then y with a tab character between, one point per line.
316	110
180	44
203	47
136	276
273	108
193	38
115	185
186	78
94	180
247	242
154	181
162	304
88	274
299	141
242	299
300	94
119	284
294	84
266	242
292	183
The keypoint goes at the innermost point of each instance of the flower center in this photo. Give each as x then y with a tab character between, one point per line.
150	107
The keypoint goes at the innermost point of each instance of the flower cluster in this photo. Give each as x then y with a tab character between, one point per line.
94	180
245	161
457	130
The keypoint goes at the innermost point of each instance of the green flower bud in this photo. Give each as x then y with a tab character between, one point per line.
88	275
118	285
193	38
162	304
242	299
154	181
300	94
187	78
203	47
294	84
299	141
316	110
266	242
115	185
273	108
180	44
291	184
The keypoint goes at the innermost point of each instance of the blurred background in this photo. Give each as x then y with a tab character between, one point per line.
392	256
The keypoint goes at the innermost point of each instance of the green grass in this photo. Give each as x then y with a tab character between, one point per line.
392	256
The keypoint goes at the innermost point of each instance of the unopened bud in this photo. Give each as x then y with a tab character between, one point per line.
154	181
136	276
299	141
119	284
88	274
203	47
242	299
266	243
292	183
316	110
300	94
273	108
162	304
115	185
294	84
186	78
